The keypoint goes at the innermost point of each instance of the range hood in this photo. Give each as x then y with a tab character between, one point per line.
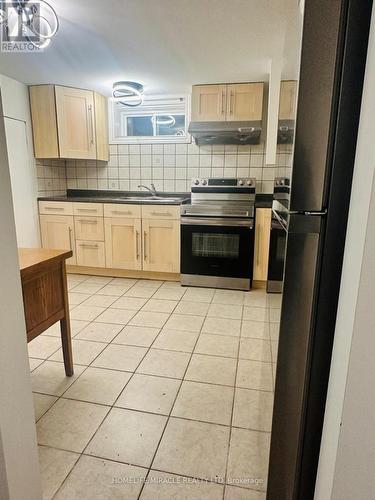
245	132
285	132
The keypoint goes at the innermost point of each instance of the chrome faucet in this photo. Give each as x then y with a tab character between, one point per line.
152	189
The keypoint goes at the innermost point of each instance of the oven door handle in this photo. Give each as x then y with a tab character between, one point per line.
279	220
216	221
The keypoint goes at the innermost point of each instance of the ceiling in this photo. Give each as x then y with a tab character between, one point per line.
167	45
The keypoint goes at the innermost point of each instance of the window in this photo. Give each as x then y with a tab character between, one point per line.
158	119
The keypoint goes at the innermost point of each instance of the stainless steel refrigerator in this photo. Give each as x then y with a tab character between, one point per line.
333	57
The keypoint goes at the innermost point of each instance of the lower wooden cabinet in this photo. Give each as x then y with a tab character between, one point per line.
123	245
129	237
57	231
161	245
90	253
262	243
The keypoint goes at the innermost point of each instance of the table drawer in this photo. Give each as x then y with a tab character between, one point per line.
88	209
89	228
161	212
56	208
122	210
90	253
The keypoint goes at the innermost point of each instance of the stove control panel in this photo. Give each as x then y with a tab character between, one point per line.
244	182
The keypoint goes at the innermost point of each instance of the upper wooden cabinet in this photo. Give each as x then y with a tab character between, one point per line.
288	100
69	123
234	102
209	103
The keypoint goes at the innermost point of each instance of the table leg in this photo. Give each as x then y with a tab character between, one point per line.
66	337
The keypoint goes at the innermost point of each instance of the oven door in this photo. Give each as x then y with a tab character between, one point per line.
276	260
219	247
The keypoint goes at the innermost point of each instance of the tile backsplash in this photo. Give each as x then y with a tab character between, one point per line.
51	176
169	166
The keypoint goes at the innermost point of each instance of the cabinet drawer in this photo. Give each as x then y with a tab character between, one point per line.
55	208
89	209
90	253
89	228
122	210
161	212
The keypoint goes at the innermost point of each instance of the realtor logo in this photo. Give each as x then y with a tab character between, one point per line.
26	26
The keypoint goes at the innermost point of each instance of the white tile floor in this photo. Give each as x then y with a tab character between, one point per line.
173	385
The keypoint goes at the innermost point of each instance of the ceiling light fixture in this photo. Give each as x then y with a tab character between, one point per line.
128	93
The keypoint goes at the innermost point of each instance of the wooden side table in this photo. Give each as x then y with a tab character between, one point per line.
45	295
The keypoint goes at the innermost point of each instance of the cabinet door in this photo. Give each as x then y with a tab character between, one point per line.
90	253
43	115
101	127
123	243
262	243
57	233
288	100
208	103
89	228
244	101
161	245
76	123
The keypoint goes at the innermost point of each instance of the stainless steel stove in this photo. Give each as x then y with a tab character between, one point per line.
217	233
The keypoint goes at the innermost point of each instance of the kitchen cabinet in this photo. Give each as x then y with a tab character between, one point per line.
57	232
90	253
229	102
245	102
89	228
114	236
161	245
75	123
69	123
208	103
262	243
123	245
288	100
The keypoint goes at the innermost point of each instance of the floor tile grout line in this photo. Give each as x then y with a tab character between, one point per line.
148	350
232	413
172	406
131	464
106	415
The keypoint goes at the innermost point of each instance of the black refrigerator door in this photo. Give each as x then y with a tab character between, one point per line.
316	105
314	257
297	313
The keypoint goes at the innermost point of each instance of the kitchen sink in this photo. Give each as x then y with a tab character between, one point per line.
150	199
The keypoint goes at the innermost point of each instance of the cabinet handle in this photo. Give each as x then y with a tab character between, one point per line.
88	221
222	102
86	209
60	209
137	243
258	244
128	212
231	102
144	246
91	124
87	245
162	214
70	238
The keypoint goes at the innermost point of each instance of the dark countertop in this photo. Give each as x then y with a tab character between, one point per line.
105	196
263	200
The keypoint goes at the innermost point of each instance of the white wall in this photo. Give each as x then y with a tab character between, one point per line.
347	462
15	100
19	468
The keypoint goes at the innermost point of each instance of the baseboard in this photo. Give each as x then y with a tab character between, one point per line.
122	273
259	285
